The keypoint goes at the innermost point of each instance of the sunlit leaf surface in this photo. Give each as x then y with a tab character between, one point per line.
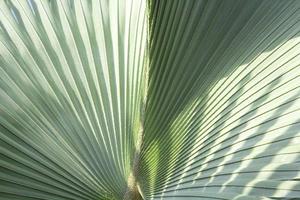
149	99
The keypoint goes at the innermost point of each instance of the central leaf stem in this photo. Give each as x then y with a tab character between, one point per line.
132	192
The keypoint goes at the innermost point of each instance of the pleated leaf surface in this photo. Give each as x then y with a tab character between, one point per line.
195	99
71	90
222	114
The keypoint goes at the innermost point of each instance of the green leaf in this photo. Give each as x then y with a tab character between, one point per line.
72	85
149	99
222	114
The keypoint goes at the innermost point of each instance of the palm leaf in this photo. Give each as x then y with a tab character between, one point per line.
158	99
71	91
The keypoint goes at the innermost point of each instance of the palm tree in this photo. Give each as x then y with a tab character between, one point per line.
157	99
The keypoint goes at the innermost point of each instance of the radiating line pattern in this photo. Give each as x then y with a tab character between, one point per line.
71	91
222	118
172	99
